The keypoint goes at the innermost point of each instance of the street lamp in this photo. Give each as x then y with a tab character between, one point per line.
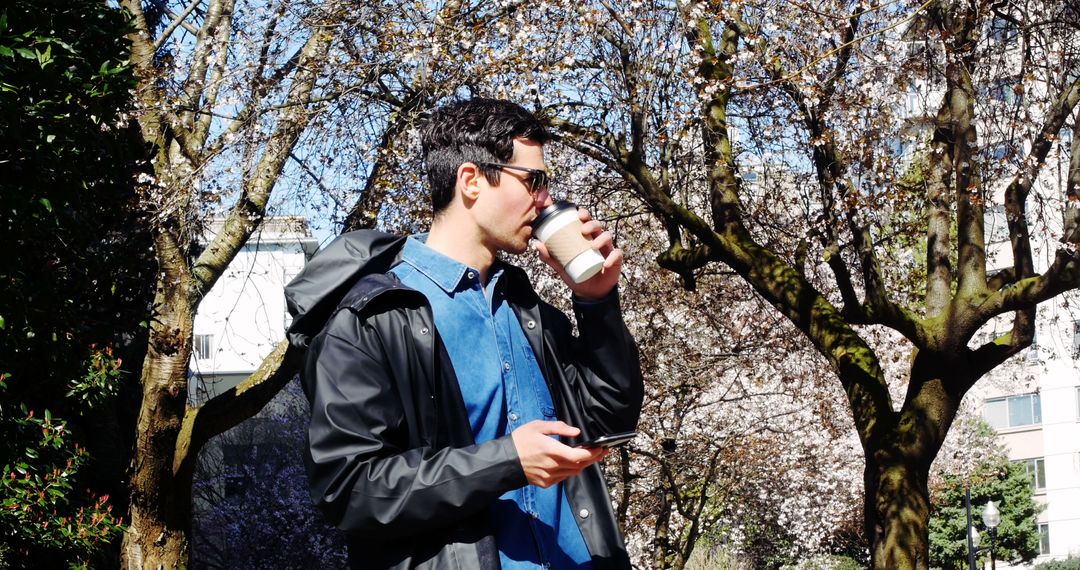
991	518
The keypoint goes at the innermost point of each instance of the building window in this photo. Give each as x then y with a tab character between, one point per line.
1003	151
1007	90
204	344
1036	469
247	465
1003	30
1078	402
237	460
1013	411
996	224
1044	539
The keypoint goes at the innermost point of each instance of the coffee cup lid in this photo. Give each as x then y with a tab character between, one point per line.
556	207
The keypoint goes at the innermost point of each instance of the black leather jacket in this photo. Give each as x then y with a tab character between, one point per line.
392	459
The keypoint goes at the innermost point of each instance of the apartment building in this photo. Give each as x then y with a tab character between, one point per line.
243	316
1035	408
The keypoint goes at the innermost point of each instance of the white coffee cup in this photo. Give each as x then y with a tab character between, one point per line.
559	228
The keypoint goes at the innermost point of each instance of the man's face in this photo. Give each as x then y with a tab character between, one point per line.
505	211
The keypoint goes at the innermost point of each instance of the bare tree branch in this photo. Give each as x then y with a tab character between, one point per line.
178	20
234	405
208	45
251	205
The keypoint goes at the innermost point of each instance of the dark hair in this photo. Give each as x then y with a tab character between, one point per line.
476	130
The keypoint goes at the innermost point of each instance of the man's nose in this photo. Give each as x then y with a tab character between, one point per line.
542	199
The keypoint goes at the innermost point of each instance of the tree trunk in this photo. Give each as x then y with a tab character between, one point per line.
897	514
160	500
661	544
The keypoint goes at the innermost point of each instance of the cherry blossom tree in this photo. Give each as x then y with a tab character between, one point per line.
247	108
185	62
843	160
835	159
738	451
252	506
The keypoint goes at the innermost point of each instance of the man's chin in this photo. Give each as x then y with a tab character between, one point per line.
521	242
518	248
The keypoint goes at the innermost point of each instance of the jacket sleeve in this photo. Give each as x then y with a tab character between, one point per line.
603	367
363	474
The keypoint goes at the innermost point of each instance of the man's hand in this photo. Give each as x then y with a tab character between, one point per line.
599	285
547	461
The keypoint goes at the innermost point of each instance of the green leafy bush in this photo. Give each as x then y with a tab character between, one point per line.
43	517
76	271
1070	563
1009	486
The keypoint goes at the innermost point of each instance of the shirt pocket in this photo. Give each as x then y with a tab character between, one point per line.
535	377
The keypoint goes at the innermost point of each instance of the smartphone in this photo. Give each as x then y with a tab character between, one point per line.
612	440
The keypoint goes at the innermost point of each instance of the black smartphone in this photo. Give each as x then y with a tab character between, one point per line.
612	440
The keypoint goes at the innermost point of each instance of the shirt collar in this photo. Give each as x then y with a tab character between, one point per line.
442	270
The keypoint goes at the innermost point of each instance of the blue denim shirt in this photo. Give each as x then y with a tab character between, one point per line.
503	388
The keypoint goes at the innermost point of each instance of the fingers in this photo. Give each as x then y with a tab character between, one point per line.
552	428
547	461
555	471
602	240
613	259
545	255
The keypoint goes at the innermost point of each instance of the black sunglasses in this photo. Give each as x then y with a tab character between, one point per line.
537	180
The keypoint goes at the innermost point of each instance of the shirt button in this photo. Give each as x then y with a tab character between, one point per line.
513	418
470	275
583	513
535	515
531	324
506	366
424	330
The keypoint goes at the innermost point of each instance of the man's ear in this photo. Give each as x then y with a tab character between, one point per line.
469	178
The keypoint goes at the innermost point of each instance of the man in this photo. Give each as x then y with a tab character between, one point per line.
441	385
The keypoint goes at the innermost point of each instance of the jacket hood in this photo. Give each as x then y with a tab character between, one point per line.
314	294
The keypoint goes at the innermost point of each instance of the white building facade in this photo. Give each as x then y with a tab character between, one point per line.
1035	408
244	316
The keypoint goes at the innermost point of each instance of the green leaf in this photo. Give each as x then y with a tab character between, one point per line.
67	47
3	323
6	51
44	59
26	53
45	201
3	21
